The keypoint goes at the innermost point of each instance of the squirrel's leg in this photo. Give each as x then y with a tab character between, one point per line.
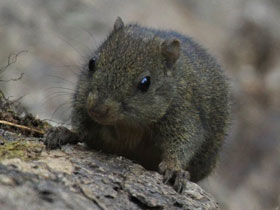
59	136
181	140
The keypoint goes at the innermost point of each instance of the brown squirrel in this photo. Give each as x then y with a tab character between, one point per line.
155	97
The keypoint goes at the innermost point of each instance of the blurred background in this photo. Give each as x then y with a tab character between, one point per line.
244	36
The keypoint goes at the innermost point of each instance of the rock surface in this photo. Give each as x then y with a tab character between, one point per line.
76	178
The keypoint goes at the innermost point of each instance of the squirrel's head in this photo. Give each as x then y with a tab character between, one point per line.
130	77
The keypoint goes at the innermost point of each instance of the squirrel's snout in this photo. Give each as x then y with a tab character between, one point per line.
100	111
96	109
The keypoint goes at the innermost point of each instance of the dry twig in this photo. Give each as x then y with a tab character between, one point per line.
22	127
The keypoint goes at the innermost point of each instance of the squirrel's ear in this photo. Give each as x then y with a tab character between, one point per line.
170	49
118	24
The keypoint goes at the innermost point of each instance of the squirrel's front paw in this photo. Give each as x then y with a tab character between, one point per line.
174	175
57	136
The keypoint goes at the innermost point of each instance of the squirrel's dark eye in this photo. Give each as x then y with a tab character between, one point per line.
91	64
144	84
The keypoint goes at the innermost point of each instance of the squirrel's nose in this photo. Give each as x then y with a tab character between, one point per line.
92	100
95	108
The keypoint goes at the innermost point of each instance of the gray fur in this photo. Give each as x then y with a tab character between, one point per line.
178	125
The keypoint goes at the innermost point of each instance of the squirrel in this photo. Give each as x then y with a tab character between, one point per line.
153	96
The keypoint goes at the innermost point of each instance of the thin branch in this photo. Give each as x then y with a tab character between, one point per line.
2	95
15	79
22	127
11	60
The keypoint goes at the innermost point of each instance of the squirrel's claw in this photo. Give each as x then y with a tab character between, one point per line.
57	136
177	177
181	179
168	174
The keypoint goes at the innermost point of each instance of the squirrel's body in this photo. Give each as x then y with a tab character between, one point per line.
156	97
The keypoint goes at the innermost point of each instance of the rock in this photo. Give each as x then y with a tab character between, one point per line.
76	178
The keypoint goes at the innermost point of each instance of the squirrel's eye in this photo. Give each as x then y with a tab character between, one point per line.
144	84
91	64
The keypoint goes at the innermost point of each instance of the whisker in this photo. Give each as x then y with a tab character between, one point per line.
57	123
49	98
60	106
71	45
68	120
63	88
75	69
91	36
59	92
58	77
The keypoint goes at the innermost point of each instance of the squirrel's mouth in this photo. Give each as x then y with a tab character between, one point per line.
106	117
105	112
103	120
